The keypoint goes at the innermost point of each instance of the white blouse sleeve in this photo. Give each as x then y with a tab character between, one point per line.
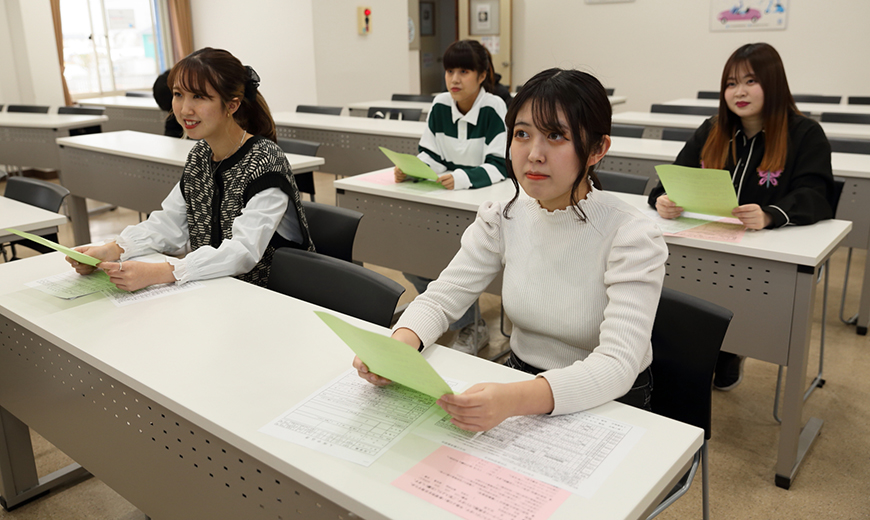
252	231
165	230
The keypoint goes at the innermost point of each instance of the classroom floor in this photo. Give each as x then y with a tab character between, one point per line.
834	481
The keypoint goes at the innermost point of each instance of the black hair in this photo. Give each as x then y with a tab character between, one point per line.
471	55
584	102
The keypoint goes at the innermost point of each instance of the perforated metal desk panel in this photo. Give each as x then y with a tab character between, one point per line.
135	170
130	113
162	401
29	139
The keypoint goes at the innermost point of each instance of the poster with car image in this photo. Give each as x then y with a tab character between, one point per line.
748	15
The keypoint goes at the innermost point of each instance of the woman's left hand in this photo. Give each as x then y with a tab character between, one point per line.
447	181
482	407
752	216
132	276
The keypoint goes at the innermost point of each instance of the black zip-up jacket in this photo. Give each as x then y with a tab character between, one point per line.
798	195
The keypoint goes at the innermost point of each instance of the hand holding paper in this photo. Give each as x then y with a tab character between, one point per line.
75	255
699	190
389	358
410	165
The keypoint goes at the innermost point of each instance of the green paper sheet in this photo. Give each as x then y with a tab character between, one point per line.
699	190
388	357
75	255
411	165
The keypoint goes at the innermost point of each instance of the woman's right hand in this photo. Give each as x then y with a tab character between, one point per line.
666	208
404	335
105	252
399	174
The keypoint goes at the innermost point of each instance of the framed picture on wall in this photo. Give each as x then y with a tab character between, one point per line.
483	17
427	18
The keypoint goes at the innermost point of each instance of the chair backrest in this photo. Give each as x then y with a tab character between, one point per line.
622	182
859	100
849	145
413	97
39	193
315	109
32	109
298	146
406	114
834	197
686	338
138	94
620	130
836	117
333	229
610	91
82	111
677	134
815	98
683	109
335	284
708	94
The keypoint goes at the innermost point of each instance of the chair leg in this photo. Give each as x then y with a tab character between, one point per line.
705	481
818	381
854	319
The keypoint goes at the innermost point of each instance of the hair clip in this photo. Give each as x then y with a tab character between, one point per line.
252	83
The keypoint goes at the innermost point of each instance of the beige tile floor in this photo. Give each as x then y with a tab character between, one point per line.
834	482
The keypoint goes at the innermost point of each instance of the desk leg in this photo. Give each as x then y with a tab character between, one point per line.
794	441
19	482
78	214
864	306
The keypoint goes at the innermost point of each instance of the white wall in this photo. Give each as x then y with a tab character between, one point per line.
28	54
352	67
276	38
652	53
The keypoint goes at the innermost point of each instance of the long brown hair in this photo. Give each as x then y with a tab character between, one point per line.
584	102
778	105
471	55
230	79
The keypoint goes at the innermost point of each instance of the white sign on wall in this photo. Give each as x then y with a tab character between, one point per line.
748	15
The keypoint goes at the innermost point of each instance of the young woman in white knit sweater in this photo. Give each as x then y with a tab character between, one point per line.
582	270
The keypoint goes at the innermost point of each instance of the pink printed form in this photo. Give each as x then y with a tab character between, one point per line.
722	231
384	177
475	489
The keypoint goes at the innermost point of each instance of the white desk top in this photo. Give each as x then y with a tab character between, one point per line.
232	379
355	125
841	130
425	105
121	102
27	120
158	148
24	217
653	149
807	108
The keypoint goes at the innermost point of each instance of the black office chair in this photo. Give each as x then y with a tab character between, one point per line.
304	181
610	91
139	94
708	94
335	284
42	194
518	87
677	134
686	338
819	381
815	98
333	229
683	109
855	119
622	182
83	111
859	100
406	114
620	130
413	97
31	109
849	145
315	109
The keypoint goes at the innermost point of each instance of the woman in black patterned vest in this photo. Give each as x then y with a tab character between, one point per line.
236	201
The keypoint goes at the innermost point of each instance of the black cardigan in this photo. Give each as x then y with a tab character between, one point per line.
802	191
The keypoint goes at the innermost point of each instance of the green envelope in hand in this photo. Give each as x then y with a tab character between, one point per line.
411	165
699	190
75	255
388	357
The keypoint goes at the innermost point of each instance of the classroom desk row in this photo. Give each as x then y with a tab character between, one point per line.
361	108
813	110
29	139
768	279
168	416
130	113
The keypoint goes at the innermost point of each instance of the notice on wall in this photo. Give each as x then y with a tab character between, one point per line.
748	15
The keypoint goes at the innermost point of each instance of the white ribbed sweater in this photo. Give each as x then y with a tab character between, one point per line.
581	296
